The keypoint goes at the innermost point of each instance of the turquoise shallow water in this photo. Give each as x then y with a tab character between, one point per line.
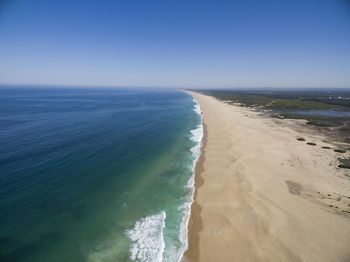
95	174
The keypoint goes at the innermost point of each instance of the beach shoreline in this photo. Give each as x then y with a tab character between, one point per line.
195	223
257	189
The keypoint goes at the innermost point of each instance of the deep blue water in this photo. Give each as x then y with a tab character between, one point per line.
85	172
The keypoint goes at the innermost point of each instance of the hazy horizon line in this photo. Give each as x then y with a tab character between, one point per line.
12	85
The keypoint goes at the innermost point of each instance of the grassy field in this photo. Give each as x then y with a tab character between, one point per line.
285	102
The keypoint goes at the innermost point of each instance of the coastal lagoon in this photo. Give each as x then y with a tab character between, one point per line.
96	174
322	113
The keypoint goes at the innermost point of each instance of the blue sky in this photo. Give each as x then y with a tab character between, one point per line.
175	43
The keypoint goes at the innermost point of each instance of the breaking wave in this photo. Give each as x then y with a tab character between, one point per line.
147	239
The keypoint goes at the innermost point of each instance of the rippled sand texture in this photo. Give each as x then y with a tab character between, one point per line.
262	195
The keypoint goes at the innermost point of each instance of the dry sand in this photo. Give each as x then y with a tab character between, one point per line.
262	195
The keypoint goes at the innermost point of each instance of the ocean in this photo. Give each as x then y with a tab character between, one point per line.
96	174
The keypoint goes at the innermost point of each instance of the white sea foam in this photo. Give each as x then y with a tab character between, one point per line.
197	135
147	239
197	107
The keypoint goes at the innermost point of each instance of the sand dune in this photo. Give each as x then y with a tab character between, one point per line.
262	195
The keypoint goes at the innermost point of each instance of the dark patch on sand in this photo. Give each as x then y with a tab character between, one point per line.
311	144
301	139
344	166
340	150
294	188
335	203
344	163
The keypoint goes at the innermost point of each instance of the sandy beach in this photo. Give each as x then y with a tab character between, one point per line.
262	195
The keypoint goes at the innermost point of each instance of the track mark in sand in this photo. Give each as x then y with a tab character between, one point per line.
336	202
333	202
